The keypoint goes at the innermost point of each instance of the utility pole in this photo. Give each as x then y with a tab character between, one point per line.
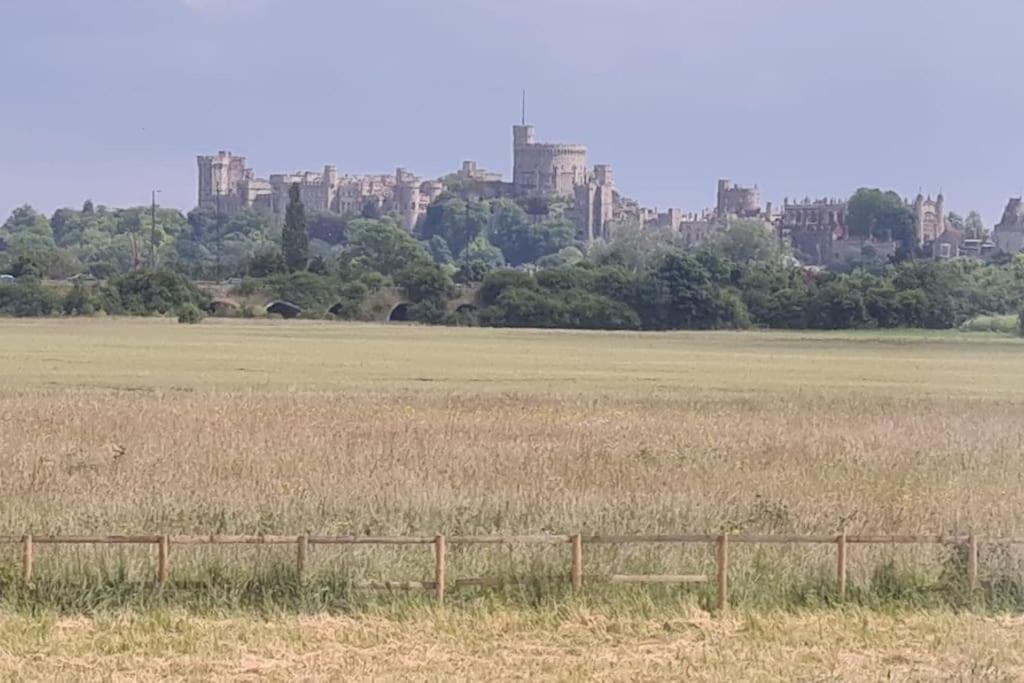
152	234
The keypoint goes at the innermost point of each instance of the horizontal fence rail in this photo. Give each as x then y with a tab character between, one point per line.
576	575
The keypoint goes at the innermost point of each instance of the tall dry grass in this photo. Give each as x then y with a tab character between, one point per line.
187	456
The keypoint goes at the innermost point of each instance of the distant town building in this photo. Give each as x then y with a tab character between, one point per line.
741	202
1009	234
227	186
930	217
812	227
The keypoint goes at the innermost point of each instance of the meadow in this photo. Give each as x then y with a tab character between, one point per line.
146	426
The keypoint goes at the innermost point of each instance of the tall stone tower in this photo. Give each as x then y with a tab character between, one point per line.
543	168
930	216
222	179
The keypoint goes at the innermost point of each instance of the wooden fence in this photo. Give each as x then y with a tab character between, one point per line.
576	576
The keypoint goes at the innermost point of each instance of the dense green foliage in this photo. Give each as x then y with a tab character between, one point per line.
142	292
872	213
294	239
702	290
356	266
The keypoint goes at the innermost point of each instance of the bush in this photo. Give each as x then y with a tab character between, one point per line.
150	293
189	314
79	301
29	299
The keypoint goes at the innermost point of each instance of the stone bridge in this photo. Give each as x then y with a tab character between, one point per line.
464	303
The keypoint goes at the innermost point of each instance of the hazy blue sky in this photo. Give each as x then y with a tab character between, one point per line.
110	98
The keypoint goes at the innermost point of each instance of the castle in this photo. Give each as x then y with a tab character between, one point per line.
816	228
227	185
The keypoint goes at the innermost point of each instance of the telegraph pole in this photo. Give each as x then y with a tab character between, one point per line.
152	234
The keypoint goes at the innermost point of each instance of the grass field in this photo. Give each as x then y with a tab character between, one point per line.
128	426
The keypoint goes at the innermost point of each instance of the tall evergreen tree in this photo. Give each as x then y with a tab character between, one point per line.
294	238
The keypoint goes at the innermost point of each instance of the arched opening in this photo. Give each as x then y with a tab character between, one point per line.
285	309
222	308
399	314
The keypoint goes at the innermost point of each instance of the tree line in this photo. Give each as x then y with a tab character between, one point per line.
522	257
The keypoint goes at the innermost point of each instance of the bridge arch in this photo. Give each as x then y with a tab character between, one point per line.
400	313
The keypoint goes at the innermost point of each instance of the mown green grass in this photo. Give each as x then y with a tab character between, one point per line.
276	356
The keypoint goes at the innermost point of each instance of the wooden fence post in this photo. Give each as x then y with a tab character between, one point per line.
723	572
972	561
302	551
163	561
439	568
841	566
576	574
26	559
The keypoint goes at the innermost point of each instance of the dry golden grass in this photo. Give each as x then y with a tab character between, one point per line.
147	426
139	426
568	645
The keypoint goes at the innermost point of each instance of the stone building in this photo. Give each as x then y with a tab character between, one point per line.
930	217
595	204
544	168
812	227
471	171
741	202
694	229
1008	235
227	186
225	183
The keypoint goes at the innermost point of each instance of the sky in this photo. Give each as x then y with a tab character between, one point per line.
110	99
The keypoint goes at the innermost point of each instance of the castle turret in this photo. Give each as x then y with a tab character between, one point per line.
522	135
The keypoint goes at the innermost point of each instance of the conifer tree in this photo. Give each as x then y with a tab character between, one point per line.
294	238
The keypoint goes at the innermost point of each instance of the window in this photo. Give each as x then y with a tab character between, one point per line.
945	250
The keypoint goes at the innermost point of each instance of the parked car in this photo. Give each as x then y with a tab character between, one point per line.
6	279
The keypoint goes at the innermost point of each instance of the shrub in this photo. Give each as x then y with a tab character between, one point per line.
78	301
150	293
28	299
189	314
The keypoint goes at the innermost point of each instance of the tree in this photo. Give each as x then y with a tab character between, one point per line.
633	246
748	241
482	251
382	246
267	261
874	214
955	221
439	250
459	222
523	240
974	227
142	292
428	288
329	227
294	238
681	292
26	220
